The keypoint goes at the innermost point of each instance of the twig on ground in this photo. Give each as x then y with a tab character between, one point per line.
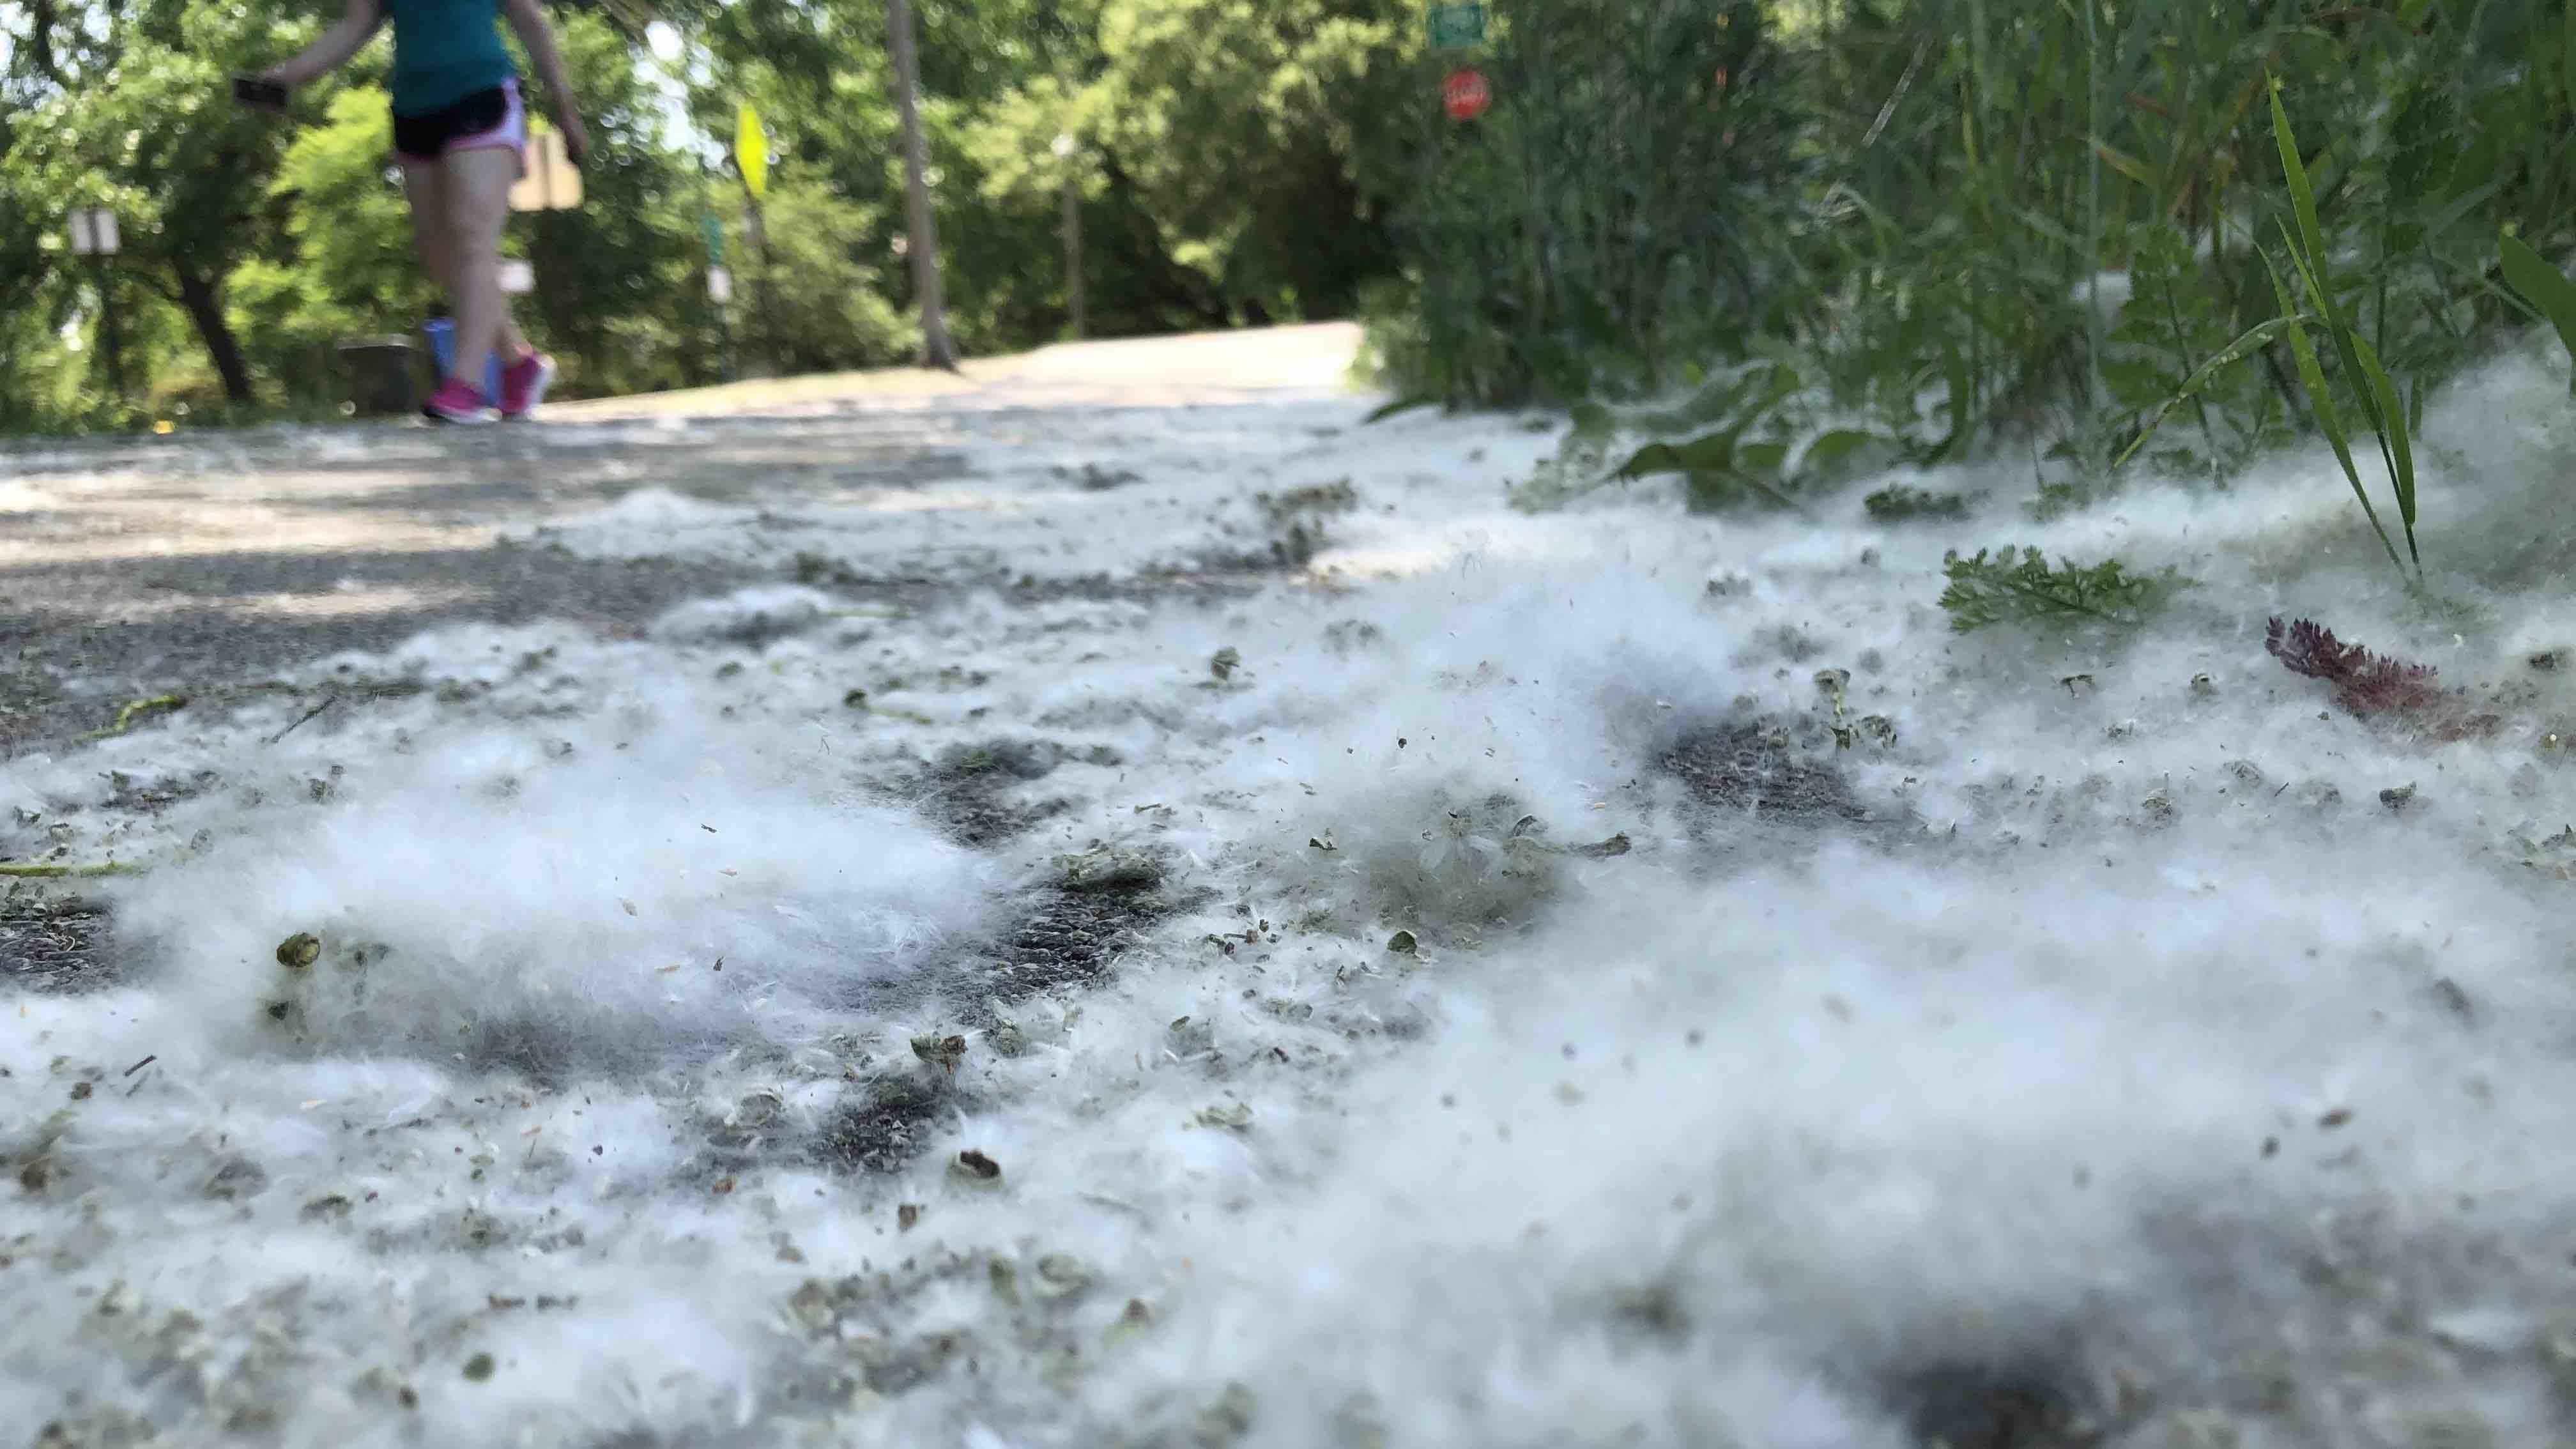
308	716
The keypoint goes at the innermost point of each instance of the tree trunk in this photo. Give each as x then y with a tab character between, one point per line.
202	296
923	246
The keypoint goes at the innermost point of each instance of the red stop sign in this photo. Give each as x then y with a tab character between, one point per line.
1466	95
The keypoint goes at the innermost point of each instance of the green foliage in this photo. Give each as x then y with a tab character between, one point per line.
2020	587
2031	223
152	134
808	303
1621	208
2175	347
341	263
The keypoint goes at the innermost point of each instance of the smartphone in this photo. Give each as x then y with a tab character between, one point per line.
265	95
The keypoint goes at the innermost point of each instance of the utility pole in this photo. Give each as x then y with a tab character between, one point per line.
923	245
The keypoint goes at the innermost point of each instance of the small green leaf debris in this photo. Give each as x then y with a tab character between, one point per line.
1229	1114
61	872
478	1369
974	1166
2018	586
1315	500
1900	504
1225	662
299	951
136	710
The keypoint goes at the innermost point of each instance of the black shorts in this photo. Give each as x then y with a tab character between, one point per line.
493	117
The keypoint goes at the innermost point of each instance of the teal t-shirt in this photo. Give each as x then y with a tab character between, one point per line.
444	51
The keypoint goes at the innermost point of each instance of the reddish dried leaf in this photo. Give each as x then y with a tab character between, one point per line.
2365	683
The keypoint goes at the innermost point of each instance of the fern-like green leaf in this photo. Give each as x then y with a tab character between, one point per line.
2018	586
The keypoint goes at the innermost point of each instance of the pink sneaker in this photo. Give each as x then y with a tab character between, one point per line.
458	401
523	384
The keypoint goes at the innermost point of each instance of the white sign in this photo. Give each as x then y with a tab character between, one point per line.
549	182
517	277
719	285
94	233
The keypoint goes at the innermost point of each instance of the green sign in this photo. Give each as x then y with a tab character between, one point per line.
1456	27
715	240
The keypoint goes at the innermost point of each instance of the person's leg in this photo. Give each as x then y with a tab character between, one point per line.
425	182
434	239
477	186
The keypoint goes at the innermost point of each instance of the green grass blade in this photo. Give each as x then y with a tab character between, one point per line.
2547	288
2401	453
2321	402
2303	198
1400	405
1762	459
2259	336
1829	457
1713	453
2308	254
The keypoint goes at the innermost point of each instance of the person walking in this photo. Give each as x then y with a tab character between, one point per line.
461	134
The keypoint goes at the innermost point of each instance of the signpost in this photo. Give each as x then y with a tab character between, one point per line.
94	235
751	158
1064	148
1465	94
1457	27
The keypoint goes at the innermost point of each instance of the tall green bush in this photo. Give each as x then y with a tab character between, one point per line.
1968	222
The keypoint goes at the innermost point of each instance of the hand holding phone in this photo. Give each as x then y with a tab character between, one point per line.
260	93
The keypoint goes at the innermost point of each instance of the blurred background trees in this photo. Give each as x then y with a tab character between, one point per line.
1907	203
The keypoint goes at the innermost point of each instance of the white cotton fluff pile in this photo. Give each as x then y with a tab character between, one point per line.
552	913
2092	1055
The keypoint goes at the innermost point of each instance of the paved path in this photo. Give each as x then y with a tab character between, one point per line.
136	568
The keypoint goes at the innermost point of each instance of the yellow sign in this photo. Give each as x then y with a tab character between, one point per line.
751	152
